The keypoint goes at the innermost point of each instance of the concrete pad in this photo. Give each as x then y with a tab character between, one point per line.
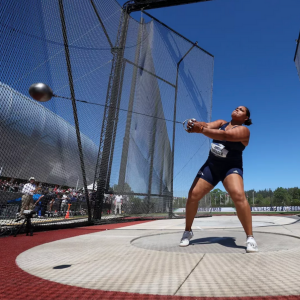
107	261
216	241
149	260
212	222
236	275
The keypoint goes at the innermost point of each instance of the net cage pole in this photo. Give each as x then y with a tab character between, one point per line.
110	117
125	149
297	55
137	5
72	91
116	118
101	135
174	127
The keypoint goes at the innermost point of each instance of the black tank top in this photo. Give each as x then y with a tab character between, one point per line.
235	149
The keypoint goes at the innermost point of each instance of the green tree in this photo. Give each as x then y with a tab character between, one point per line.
215	196
259	199
281	197
294	193
117	189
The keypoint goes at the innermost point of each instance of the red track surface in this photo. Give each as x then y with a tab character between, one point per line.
17	284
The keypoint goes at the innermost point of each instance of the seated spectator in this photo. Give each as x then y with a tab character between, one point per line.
43	201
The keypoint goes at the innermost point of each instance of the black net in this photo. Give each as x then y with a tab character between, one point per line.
297	56
110	145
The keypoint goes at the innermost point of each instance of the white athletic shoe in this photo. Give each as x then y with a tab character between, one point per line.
251	245
185	240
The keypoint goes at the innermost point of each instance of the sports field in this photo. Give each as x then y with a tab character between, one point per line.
142	260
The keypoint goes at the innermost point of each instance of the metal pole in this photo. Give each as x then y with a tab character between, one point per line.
177	33
125	149
253	197
71	85
116	120
152	157
101	23
109	121
174	127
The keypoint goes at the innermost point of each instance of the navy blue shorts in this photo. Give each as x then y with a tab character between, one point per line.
214	171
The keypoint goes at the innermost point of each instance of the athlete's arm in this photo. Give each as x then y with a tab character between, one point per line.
237	134
212	125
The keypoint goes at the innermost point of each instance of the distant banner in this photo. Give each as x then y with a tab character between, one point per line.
217	209
232	209
276	208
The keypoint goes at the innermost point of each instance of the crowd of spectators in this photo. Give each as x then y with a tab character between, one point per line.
11	185
16	185
47	200
51	200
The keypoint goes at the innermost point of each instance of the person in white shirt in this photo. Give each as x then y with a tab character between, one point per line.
64	203
27	199
118	204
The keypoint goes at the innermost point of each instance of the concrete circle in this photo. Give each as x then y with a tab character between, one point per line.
216	241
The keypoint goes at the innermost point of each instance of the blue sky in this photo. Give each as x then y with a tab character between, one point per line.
253	43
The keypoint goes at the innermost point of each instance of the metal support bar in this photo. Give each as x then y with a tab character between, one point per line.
152	156
125	149
298	41
137	5
71	85
161	174
124	193
102	134
144	70
116	120
176	33
109	124
174	127
102	24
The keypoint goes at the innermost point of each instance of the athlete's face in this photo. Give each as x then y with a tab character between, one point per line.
240	114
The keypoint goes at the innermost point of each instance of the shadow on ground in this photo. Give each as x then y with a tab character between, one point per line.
224	241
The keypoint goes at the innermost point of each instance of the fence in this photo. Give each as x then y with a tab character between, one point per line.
123	86
297	56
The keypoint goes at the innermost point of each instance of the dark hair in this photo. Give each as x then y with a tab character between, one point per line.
249	121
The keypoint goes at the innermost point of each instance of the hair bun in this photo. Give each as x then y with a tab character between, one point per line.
248	122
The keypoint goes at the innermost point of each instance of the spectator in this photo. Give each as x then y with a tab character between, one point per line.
118	204
27	199
108	204
64	203
55	199
43	201
21	185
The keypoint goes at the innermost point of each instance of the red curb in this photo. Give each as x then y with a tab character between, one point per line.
17	284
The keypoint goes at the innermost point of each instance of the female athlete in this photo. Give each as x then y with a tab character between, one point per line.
224	164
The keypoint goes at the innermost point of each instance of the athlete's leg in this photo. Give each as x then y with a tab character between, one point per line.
234	185
198	190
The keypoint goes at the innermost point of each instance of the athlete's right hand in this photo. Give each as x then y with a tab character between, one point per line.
190	125
195	127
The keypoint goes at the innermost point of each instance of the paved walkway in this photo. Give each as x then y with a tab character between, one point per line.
145	259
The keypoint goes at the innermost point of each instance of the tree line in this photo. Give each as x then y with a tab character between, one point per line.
279	197
216	198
